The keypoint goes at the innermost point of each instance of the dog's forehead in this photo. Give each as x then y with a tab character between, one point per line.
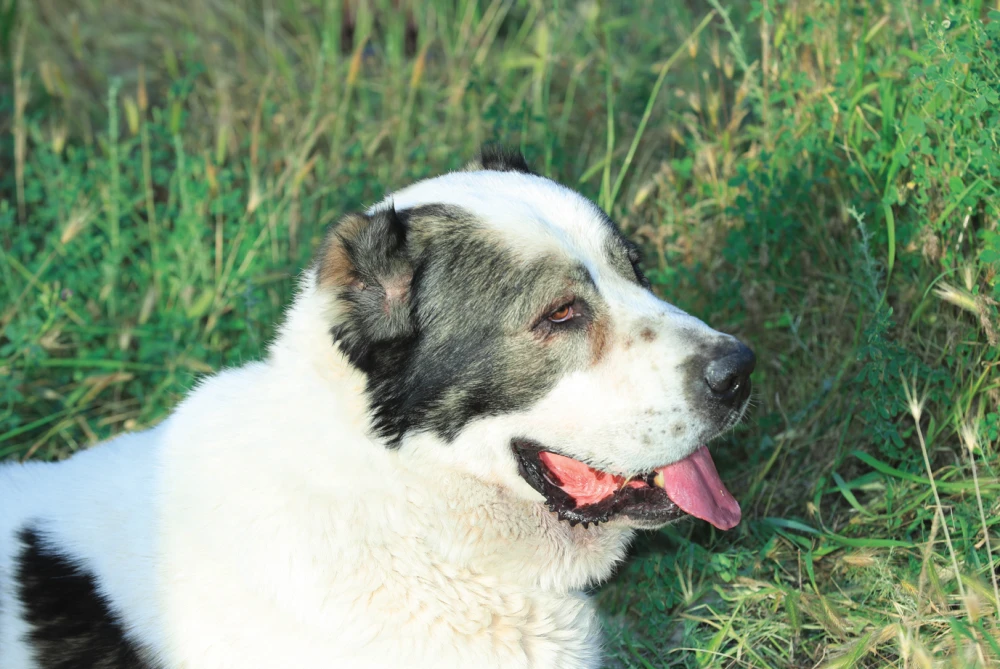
533	214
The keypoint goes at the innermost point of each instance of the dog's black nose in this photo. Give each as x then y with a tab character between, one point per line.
728	375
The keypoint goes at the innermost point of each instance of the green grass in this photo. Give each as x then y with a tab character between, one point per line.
820	178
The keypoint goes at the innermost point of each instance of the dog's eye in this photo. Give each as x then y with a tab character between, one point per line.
562	314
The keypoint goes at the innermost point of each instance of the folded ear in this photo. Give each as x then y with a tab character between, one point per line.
499	158
366	265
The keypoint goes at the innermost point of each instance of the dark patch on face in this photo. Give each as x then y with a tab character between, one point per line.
72	626
647	335
500	158
467	336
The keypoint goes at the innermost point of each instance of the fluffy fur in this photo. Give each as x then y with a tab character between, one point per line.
352	500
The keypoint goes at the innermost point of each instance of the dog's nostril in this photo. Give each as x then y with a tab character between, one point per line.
720	377
729	373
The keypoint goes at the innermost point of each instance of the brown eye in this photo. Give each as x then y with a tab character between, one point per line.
562	314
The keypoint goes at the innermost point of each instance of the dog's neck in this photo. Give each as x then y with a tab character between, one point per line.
488	530
304	343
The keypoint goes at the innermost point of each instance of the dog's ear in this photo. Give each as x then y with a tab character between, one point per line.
366	266
499	158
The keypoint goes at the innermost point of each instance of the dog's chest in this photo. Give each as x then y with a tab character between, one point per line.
497	584
409	591
443	612
409	615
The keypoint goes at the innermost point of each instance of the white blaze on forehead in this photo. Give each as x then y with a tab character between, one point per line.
536	215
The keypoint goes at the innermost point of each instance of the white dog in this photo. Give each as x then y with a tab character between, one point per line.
474	401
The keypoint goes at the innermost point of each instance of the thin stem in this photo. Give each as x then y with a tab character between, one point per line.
916	408
649	105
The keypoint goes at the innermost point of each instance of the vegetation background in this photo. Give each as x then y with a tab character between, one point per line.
821	178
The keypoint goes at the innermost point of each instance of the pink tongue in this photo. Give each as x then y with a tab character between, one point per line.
694	486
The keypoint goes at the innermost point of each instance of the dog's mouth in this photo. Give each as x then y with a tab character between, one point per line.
579	493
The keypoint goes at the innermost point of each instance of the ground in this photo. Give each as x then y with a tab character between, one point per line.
819	178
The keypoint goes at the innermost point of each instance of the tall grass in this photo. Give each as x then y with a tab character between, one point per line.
819	178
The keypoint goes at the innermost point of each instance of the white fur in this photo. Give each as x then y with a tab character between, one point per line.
261	526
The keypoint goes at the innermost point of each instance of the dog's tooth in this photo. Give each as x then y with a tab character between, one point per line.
658	480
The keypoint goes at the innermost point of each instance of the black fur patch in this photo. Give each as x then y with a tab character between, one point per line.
436	310
453	364
72	626
500	158
377	298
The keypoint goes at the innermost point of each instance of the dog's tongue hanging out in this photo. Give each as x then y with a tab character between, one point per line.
692	484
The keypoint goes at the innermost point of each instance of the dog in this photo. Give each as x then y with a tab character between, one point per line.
474	402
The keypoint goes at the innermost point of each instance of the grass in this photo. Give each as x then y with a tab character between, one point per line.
820	178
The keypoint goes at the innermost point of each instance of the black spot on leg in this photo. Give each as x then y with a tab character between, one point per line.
72	626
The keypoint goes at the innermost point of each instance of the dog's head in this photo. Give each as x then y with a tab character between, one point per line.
506	330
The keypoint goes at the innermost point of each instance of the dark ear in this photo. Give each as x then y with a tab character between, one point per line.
499	158
365	264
